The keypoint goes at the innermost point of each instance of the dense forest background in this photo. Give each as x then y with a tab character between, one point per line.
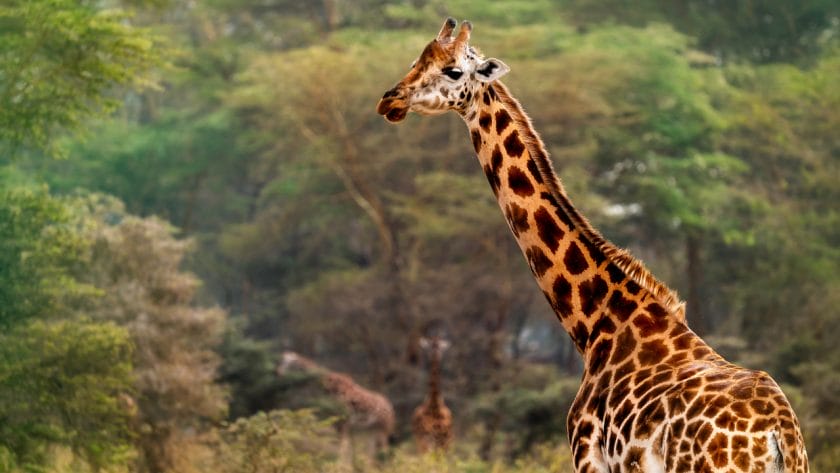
189	188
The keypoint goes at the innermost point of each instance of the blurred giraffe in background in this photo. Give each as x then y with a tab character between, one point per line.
432	421
367	411
654	396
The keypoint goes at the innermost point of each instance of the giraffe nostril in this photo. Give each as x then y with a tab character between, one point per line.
390	93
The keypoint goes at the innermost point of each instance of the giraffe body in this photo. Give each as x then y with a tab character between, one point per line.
367	411
654	396
432	421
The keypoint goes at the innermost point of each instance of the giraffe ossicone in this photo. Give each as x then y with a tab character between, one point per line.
654	396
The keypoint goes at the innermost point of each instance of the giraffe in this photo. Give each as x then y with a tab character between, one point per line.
367	411
654	397
432	421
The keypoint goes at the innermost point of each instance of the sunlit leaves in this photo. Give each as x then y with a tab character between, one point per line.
60	383
59	60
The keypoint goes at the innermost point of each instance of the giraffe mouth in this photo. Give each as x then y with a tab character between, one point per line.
393	110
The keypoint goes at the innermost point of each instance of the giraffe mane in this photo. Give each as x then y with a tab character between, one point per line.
632	267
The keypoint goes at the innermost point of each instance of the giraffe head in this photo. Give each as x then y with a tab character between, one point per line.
287	362
446	76
293	362
434	346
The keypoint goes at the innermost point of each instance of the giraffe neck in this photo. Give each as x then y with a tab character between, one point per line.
434	396
310	366
592	285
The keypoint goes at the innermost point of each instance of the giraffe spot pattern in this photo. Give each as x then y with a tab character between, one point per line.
517	217
514	145
624	346
502	121
620	306
591	293
562	296
548	230
485	120
649	326
600	354
615	273
475	135
493	179
580	334
535	171
574	260
519	183
539	262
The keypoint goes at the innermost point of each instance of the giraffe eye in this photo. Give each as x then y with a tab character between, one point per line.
452	72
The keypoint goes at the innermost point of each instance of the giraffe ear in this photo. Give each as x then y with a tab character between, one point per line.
491	69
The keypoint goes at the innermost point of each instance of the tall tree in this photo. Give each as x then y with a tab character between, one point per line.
61	58
137	263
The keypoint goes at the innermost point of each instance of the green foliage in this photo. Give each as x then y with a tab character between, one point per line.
277	441
767	31
41	245
249	369
137	264
60	383
62	57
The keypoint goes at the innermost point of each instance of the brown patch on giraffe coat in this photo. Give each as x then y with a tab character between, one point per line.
517	217
632	287
502	121
604	325
718	449
624	346
574	260
649	326
595	253
514	145
580	334
519	183
535	171
652	352
550	233
599	355
761	407
703	433
485	120
475	135
564	218
591	293
496	159
634	461
648	419
562	296
615	273
656	310
540	263
493	179
620	306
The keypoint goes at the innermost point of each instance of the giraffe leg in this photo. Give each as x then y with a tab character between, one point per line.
345	449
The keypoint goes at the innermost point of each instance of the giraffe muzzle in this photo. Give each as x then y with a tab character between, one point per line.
393	107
